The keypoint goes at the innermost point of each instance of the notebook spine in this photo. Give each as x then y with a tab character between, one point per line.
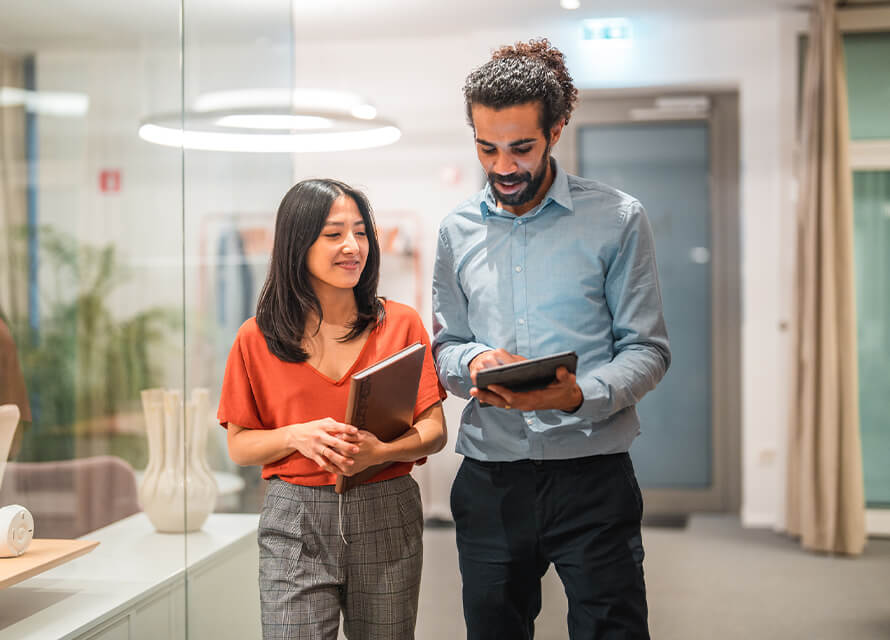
361	403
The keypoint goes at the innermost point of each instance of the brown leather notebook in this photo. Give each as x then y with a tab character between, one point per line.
381	400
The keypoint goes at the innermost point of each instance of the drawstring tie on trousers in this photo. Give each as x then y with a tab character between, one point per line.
340	514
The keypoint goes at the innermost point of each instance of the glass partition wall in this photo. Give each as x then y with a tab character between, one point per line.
91	292
236	81
126	266
141	167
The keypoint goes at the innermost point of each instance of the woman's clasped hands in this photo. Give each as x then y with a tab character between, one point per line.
335	446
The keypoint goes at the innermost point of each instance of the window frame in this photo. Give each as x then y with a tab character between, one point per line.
869	155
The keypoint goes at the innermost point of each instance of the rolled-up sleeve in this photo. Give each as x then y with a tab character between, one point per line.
641	350
454	344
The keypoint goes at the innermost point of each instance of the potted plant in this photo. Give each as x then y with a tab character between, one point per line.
85	365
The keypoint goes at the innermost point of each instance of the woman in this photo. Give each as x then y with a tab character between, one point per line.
284	395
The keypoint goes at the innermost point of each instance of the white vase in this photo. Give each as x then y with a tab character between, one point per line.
178	490
202	487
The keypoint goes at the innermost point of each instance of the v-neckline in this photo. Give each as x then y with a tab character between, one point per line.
349	371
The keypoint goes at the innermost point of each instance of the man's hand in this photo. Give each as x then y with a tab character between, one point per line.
563	393
493	358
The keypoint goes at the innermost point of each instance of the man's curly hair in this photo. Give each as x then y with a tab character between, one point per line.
532	71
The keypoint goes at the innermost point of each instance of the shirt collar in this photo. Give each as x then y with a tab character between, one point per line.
558	193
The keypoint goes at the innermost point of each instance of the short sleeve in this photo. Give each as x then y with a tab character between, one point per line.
237	402
430	391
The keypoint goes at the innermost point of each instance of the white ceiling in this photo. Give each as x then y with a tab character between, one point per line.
43	24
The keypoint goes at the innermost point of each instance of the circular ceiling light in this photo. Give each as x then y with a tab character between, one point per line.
273	120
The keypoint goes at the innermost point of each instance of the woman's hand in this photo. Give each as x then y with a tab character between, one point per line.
330	444
370	451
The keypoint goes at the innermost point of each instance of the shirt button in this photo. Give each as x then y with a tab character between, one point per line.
518	268
521	320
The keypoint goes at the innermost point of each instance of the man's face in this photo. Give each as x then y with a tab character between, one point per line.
515	154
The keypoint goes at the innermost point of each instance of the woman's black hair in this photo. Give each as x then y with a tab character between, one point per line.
288	298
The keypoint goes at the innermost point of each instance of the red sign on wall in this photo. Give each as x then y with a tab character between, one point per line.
110	180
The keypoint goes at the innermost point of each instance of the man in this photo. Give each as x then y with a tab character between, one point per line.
536	263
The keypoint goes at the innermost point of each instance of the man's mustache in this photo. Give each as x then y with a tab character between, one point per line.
512	178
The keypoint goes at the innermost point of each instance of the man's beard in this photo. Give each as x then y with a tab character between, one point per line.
532	183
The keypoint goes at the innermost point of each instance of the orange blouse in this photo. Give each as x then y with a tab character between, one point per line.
262	392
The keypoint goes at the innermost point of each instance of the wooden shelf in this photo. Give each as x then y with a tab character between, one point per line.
42	554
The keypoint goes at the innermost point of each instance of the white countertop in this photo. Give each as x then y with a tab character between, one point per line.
131	562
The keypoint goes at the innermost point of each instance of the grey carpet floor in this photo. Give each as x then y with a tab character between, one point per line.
711	580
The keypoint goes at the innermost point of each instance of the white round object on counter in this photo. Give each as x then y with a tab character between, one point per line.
16	530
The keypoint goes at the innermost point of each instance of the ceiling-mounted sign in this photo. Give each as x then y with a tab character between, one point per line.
606	29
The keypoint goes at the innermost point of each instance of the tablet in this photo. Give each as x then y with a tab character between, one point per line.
527	375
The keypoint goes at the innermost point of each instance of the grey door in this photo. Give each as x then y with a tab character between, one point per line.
685	455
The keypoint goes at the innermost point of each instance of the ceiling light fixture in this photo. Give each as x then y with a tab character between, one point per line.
273	121
292	120
606	30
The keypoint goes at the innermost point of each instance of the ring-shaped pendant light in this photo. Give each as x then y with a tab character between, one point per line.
273	120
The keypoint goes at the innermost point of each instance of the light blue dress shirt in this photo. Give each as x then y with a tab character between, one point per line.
575	273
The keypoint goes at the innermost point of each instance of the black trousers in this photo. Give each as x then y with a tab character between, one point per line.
583	515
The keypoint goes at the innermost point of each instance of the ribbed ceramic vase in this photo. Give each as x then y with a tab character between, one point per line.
178	490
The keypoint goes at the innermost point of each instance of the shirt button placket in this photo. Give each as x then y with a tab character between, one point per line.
520	289
520	313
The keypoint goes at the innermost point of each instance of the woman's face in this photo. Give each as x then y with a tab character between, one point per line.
337	257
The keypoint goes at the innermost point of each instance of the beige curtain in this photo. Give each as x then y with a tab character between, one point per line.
13	195
826	496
